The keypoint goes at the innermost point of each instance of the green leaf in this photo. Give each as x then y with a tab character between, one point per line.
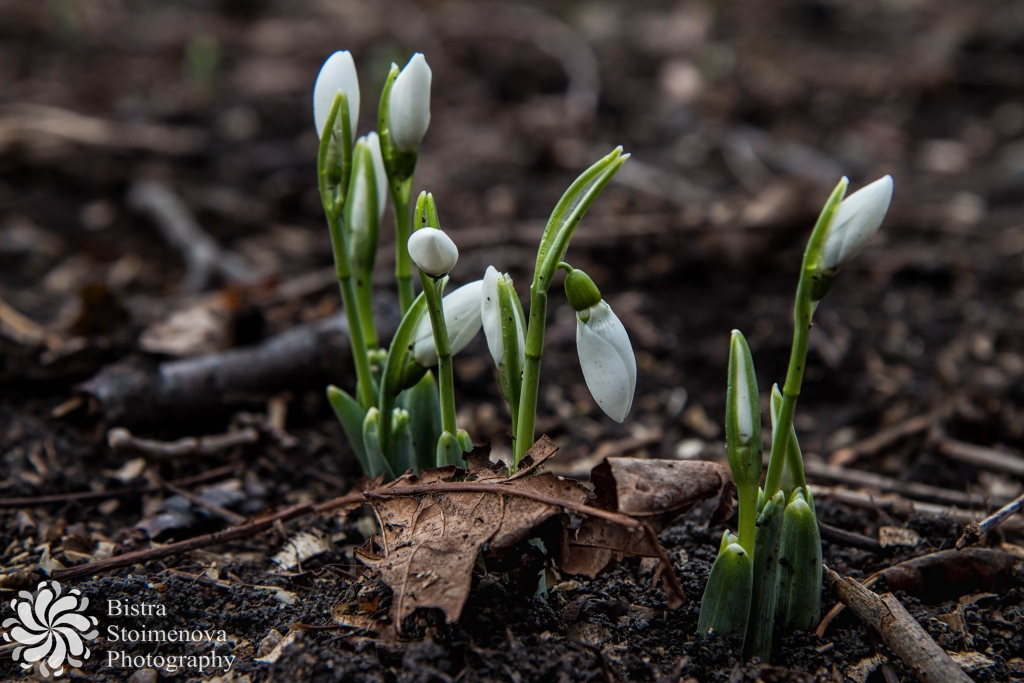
725	607
569	212
449	450
799	605
403	454
758	642
351	417
376	462
396	366
424	406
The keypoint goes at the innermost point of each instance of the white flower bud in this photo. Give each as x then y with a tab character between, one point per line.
461	317
433	252
409	108
606	356
490	314
856	221
381	176
338	74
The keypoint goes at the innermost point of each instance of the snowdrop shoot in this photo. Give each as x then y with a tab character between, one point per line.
461	317
856	221
380	175
606	356
409	108
433	252
338	74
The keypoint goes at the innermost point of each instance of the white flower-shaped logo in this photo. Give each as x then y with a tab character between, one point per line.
50	629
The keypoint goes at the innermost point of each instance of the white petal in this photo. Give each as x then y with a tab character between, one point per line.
491	316
337	74
461	317
381	176
432	251
856	221
606	357
744	417
409	107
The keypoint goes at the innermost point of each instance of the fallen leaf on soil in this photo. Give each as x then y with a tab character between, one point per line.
655	491
433	526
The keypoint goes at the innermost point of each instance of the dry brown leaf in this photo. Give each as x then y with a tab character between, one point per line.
434	525
655	491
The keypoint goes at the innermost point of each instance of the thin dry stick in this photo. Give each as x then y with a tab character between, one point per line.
123	441
980	456
501	490
883	438
214	509
975	531
842	475
93	496
899	630
139	556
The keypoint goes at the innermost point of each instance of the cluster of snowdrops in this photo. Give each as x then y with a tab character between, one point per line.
402	413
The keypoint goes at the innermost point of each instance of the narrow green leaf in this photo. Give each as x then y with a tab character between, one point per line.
799	602
351	417
394	376
758	642
402	453
424	406
725	607
377	463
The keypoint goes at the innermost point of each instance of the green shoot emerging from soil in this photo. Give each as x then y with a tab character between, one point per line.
400	418
771	572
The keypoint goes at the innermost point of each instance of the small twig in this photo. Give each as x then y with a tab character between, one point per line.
149	554
92	496
899	630
897	505
123	441
501	490
203	256
975	531
848	539
214	509
842	475
985	458
673	591
882	439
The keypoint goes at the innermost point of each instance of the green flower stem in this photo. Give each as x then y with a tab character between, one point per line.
432	290
559	230
400	193
364	304
803	311
333	206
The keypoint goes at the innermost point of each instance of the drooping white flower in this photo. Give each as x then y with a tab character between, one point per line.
373	142
856	221
461	317
490	315
609	366
338	74
409	108
744	414
433	252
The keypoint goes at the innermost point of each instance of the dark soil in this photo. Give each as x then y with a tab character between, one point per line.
740	117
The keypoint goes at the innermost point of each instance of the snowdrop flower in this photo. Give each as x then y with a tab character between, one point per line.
338	74
363	221
381	176
433	252
856	221
490	315
606	355
461	317
409	108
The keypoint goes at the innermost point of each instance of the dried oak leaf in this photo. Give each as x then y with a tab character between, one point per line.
430	538
653	491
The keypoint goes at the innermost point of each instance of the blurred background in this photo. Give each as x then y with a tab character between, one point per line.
116	116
